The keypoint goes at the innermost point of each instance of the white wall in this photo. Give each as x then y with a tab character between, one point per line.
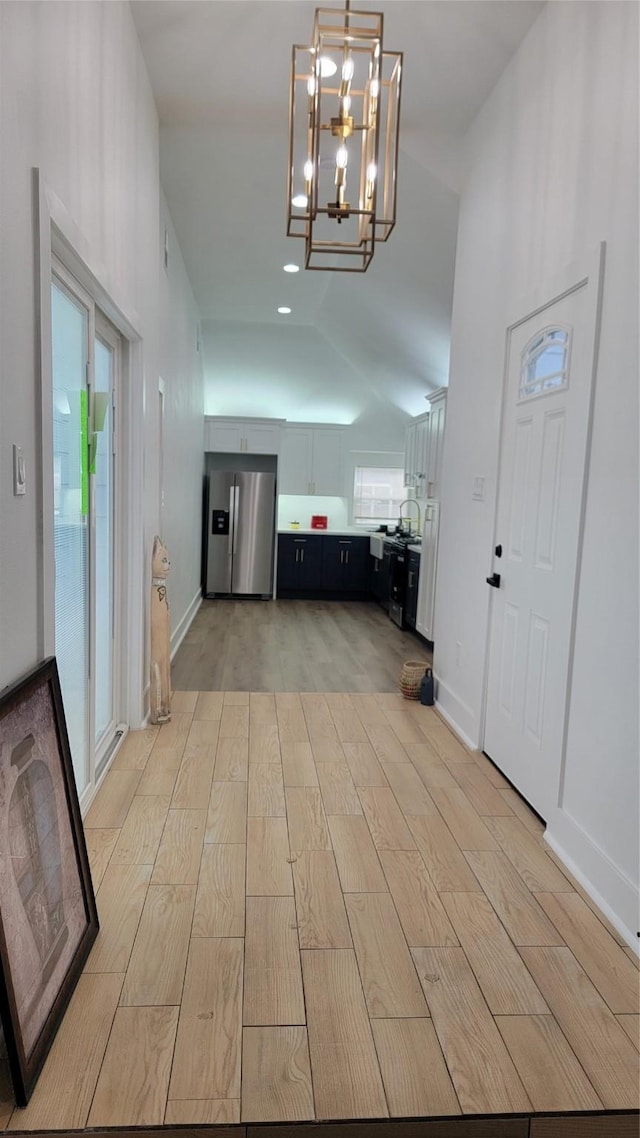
302	507
75	101
183	430
552	172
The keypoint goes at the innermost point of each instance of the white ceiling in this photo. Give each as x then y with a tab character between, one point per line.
354	344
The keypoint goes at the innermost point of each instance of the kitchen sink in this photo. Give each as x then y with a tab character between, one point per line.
376	545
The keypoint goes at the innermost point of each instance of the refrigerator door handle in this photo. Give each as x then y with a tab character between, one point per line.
232	523
236	509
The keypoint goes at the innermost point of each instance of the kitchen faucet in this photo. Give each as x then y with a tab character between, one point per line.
406	502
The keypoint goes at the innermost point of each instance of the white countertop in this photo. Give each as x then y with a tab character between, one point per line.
346	532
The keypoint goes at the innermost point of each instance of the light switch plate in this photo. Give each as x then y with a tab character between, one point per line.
477	492
19	473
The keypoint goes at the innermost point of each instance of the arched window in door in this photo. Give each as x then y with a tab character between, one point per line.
545	362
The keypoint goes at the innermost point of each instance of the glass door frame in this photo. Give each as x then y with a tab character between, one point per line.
98	327
110	337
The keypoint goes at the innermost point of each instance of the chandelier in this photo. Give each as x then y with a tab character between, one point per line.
344	116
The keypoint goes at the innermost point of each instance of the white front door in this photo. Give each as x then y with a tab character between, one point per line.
544	454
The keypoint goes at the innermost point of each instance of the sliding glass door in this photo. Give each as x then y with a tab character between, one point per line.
70	344
104	544
85	368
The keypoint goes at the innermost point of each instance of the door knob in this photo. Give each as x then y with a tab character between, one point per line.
494	580
498	551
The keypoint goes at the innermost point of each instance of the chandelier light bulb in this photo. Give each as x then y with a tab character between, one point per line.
327	67
308	170
374	88
311	86
346	104
371	172
347	69
342	157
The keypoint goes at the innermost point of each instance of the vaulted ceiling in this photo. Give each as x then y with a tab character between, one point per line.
355	345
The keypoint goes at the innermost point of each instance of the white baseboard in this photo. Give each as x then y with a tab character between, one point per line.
605	883
183	626
457	730
457	715
146	708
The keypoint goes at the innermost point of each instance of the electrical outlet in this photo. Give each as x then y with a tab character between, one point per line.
477	492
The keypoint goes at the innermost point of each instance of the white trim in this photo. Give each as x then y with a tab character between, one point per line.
456	712
183	626
457	731
90	793
132	534
145	719
72	247
44	365
588	863
597	269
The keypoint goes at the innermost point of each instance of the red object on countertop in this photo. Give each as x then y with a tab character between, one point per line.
319	521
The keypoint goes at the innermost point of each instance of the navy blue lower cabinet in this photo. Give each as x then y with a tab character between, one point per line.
345	565
317	566
299	564
379	579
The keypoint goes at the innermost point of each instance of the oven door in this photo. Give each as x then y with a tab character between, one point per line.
397	586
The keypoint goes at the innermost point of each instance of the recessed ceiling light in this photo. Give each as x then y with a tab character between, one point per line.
291	268
284	311
327	66
299	201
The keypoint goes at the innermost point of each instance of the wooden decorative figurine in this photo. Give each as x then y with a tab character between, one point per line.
160	654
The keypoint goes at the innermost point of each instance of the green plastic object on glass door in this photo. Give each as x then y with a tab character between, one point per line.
84	454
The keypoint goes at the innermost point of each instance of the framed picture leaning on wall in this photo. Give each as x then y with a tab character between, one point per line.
48	915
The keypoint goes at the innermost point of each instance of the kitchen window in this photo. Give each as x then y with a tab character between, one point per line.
377	494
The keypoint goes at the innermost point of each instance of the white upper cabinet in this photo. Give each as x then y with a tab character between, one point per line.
438	400
294	464
235	436
416	454
311	461
423	448
422	454
410	455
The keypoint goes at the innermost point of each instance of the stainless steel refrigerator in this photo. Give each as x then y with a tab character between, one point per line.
239	534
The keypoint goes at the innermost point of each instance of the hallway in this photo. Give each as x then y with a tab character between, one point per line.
295	646
321	906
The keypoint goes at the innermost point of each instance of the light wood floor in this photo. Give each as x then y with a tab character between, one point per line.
322	906
293	646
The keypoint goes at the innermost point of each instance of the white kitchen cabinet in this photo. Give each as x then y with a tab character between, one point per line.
438	401
422	453
416	454
311	461
236	436
410	455
424	440
428	568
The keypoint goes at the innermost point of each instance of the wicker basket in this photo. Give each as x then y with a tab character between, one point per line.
411	678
